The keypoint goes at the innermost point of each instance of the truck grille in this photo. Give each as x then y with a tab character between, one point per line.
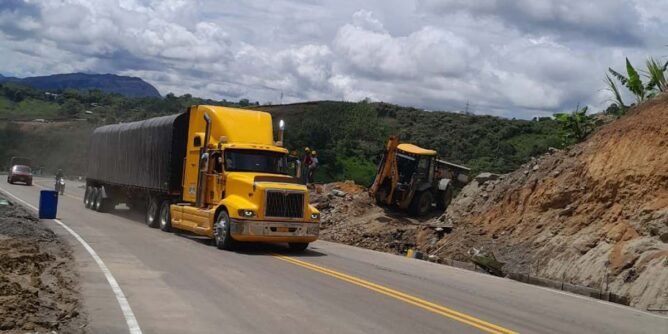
284	204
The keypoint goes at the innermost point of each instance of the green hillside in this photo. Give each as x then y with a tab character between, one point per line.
349	136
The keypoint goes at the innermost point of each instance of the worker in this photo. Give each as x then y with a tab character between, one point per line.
312	166
59	174
306	162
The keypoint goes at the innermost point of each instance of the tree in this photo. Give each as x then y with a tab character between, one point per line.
71	107
577	125
244	102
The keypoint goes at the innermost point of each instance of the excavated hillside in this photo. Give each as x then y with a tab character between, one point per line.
597	211
595	214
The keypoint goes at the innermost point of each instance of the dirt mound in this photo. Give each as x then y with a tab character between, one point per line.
595	214
38	284
350	216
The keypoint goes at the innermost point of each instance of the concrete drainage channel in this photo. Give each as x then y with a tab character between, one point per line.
528	279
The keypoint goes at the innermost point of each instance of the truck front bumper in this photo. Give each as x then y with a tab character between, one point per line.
271	231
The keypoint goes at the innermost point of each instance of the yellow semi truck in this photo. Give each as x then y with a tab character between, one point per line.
211	171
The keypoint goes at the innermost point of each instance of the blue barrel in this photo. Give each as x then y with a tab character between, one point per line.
48	204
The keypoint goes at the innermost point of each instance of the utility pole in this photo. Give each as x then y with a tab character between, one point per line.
466	111
281	96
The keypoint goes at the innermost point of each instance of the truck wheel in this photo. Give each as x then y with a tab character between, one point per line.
221	232
298	246
87	197
165	217
421	204
97	199
152	213
10	181
445	198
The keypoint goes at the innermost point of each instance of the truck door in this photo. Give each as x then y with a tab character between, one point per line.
191	168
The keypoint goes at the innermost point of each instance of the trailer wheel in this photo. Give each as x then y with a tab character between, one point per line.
221	232
88	196
165	217
421	204
97	199
298	246
152	213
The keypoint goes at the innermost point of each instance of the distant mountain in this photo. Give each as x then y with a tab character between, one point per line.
111	83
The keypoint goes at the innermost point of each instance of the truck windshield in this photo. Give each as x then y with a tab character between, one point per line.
255	161
22	169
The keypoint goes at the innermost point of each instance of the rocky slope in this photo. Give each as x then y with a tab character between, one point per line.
595	212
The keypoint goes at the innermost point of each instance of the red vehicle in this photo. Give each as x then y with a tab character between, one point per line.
20	173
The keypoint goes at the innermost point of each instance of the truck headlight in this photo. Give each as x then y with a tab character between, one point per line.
246	213
315	216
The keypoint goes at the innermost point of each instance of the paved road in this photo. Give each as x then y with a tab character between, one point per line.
176	284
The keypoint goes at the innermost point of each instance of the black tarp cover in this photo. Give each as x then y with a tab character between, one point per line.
146	154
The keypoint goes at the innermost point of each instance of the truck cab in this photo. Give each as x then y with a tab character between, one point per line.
236	185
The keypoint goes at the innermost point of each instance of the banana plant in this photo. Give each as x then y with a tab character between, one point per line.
656	75
577	125
632	81
612	87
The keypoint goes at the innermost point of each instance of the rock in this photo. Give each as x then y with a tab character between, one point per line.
536	167
322	205
338	193
7	324
484	177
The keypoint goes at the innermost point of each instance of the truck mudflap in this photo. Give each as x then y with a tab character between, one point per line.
271	231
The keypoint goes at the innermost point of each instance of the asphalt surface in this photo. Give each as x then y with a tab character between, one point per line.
176	284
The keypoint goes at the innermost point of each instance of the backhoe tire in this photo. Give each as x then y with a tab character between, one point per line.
421	204
221	232
165	217
298	246
152	213
444	199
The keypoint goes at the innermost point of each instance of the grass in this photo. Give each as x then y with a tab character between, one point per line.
27	109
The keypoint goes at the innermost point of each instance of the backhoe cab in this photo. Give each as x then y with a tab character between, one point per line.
413	178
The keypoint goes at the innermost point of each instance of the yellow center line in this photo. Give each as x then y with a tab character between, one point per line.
421	303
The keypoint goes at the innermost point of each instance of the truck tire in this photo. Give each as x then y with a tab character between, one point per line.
97	199
445	197
421	204
88	196
152	212
298	246
221	232
165	217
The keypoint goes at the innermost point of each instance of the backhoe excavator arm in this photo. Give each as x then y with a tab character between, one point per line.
387	177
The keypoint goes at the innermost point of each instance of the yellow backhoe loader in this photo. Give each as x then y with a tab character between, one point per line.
415	179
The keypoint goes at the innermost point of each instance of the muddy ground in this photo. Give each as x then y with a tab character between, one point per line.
38	280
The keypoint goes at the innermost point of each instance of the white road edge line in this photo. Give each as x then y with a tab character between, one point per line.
133	325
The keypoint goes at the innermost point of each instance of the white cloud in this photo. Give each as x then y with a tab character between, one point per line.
515	58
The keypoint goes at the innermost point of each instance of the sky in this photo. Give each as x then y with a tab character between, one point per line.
510	58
